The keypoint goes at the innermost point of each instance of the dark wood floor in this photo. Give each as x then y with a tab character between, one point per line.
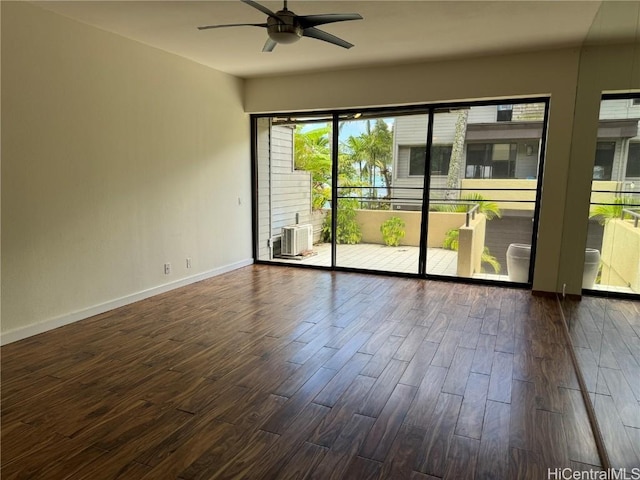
606	337
272	372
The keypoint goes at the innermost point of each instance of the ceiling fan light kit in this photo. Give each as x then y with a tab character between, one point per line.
286	27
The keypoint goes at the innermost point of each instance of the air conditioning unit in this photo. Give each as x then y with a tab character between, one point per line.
296	239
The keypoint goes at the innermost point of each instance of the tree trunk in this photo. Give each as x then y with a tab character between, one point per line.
453	177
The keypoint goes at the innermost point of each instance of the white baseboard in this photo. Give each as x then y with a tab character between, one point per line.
59	321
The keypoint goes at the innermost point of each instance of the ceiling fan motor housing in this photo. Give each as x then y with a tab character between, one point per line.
285	28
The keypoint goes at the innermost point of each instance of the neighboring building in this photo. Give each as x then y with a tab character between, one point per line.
503	142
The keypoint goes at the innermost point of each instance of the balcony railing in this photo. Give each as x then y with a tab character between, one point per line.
633	214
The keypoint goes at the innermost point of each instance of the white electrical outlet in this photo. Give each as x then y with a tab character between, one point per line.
167	268
188	262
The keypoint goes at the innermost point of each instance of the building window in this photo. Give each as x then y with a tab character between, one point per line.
491	160
505	113
440	157
633	160
635	101
603	166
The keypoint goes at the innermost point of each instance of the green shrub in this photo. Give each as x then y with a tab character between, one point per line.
451	239
347	230
491	210
392	231
604	213
451	242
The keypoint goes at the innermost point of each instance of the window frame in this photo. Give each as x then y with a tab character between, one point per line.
423	153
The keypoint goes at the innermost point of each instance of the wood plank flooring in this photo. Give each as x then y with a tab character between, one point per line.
280	373
606	337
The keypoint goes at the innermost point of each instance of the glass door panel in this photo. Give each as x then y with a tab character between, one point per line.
379	212
612	255
294	189
482	194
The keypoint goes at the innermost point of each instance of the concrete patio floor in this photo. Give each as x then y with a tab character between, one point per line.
370	256
403	259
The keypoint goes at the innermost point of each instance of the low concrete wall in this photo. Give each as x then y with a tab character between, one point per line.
471	246
505	198
621	255
609	186
439	223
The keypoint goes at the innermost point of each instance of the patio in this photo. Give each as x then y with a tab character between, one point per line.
372	256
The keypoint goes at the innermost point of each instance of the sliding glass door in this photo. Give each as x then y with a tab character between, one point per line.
437	191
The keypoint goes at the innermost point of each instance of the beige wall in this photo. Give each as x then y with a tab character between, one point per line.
529	192
440	223
471	246
621	254
117	158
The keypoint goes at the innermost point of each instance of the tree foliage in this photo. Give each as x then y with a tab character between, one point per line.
604	213
347	229
490	209
312	152
372	153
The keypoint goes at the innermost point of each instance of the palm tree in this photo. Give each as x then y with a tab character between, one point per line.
312	152
372	150
490	209
612	210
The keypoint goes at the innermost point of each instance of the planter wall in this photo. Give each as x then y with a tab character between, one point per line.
439	223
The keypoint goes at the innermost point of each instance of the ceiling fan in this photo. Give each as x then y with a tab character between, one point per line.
284	26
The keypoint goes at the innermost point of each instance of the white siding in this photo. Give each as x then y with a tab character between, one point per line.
282	191
619	109
411	130
402	167
527	165
264	188
483	114
291	189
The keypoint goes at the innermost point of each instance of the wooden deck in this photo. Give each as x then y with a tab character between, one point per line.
270	372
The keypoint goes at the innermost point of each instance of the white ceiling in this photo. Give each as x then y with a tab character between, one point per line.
391	32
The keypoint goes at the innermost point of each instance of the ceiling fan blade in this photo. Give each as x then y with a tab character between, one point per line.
269	45
207	27
262	8
307	21
327	37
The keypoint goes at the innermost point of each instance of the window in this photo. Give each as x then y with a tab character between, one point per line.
633	160
505	113
440	157
635	101
491	160
603	166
